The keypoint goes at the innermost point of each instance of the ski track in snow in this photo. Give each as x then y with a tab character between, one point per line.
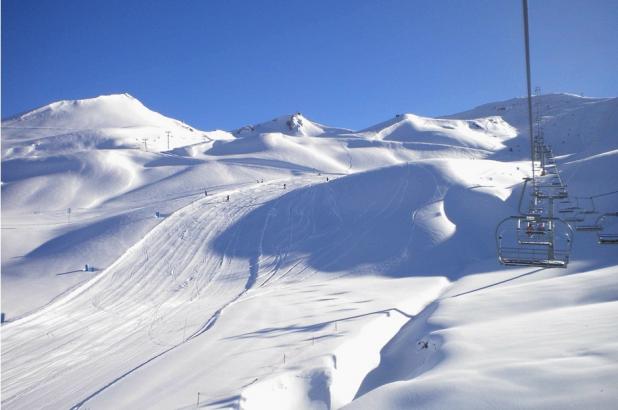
154	297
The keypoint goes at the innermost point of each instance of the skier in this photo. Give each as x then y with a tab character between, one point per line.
205	193
284	186
529	229
227	199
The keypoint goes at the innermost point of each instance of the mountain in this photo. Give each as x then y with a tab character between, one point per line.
481	132
107	121
571	124
293	125
295	265
105	111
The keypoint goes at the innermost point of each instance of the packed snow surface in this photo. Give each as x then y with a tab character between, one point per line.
294	265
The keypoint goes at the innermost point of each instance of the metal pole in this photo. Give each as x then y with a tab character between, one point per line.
539	133
527	41
552	233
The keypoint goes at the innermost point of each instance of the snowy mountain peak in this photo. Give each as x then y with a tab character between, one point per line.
57	106
294	125
106	121
105	111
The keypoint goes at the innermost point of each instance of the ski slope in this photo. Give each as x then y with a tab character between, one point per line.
351	269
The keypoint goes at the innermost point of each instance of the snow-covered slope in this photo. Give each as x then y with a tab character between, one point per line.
107	121
106	111
484	133
295	265
571	124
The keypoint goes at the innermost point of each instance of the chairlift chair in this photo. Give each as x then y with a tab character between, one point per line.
551	170
533	231
567	206
608	234
536	210
577	217
587	210
586	228
518	245
588	223
555	193
567	209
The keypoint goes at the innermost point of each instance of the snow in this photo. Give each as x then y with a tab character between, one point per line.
348	269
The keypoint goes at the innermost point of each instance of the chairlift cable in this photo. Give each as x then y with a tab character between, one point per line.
528	81
604	194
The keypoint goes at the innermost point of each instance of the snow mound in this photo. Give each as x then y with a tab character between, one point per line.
483	133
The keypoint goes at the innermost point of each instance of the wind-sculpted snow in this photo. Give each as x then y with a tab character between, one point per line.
395	221
294	265
484	133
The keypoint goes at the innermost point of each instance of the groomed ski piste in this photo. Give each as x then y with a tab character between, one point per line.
294	265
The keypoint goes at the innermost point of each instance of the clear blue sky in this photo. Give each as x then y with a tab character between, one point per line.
350	63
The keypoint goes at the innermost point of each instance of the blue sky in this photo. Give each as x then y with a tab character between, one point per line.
224	64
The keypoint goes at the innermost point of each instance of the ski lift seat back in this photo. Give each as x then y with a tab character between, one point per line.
608	234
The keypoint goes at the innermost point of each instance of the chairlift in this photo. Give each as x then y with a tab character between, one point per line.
535	231
566	206
531	240
551	170
587	228
534	239
559	192
608	234
588	223
535	210
586	209
577	217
